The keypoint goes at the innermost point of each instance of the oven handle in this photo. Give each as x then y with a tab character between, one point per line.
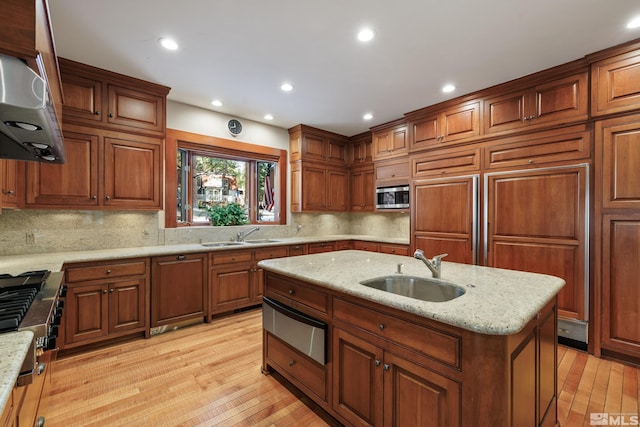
294	314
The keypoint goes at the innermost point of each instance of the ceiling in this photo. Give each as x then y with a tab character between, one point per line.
241	51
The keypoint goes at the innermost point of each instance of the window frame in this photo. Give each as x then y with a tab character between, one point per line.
227	148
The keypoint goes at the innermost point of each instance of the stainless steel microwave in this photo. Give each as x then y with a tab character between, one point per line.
392	197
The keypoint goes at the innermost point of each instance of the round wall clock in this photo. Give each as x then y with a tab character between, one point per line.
235	127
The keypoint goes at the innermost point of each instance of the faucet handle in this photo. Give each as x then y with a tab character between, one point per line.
438	258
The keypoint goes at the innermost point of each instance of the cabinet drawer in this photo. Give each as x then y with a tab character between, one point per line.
296	295
229	257
295	364
441	163
295	250
438	345
104	271
394	249
343	245
392	170
316	248
551	147
361	245
270	253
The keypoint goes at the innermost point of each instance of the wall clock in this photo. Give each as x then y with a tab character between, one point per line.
235	127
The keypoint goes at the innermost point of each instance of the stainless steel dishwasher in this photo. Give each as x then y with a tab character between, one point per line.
300	331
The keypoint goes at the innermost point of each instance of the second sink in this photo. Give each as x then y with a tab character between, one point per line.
220	244
416	287
262	241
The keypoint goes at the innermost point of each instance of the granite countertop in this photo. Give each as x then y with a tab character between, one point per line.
13	348
496	301
16	264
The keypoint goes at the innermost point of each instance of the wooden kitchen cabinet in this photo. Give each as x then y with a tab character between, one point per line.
105	300
615	82
99	98
559	101
103	170
11	184
390	140
316	187
363	191
437	128
361	151
393	249
235	279
363	245
311	144
445	162
320	247
445	217
179	288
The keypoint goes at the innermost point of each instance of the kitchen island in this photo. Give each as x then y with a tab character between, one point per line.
487	357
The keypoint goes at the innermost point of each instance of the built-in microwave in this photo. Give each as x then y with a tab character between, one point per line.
396	197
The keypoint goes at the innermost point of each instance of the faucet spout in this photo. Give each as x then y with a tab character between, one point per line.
434	264
242	235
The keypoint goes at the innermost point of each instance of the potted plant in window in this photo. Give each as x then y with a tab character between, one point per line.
229	214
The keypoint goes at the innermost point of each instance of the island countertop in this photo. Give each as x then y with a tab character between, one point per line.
496	301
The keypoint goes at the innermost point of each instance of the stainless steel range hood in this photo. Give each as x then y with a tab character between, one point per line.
28	126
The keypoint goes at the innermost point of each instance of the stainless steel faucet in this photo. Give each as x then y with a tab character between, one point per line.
434	264
242	235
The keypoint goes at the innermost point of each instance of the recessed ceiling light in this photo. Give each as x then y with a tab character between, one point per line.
287	87
448	88
268	117
365	35
634	23
368	116
216	103
169	44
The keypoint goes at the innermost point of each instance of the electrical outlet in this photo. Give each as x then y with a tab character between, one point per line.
30	238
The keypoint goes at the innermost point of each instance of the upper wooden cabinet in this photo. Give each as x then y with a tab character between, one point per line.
103	99
559	101
433	128
307	143
615	84
361	151
26	33
11	183
363	192
390	140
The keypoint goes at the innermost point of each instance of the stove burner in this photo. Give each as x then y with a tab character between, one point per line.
26	279
16	295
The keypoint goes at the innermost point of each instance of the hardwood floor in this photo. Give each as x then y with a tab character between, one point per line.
209	375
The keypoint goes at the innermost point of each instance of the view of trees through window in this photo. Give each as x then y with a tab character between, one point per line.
206	180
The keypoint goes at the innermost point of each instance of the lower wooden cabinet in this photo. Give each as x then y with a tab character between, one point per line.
178	288
105	300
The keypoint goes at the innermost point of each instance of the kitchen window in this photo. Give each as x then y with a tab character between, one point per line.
204	172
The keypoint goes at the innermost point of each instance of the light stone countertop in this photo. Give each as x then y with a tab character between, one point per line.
16	264
500	302
13	349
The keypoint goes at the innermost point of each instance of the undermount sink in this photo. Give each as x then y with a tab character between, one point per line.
262	241
433	290
220	244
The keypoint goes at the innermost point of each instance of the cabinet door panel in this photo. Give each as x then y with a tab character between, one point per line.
523	392
561	100
82	99
620	290
86	313
425	132
135	109
13	184
313	193
132	173
126	305
230	288
74	183
615	84
420	397
620	150
505	112
313	147
337	190
461	122
357	387
445	218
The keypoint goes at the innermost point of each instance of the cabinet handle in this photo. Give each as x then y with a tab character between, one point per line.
107	197
530	162
110	114
290	291
94	197
180	257
292	362
10	192
97	113
386	367
112	290
378	363
381	326
41	368
108	271
39	422
104	291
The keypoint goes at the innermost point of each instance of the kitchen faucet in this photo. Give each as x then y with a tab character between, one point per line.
241	236
433	264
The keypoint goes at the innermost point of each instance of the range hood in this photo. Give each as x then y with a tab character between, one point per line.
29	128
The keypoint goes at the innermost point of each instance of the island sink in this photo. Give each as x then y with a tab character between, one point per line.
421	288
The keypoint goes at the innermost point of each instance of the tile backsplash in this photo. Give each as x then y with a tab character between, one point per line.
44	231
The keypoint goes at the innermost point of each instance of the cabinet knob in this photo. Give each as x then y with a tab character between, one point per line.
104	291
97	113
530	162
111	290
386	367
381	326
10	192
108	271
292	362
378	363
180	257
110	114
94	197
290	291
107	197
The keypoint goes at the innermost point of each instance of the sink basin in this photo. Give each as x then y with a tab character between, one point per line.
433	290
262	241
220	244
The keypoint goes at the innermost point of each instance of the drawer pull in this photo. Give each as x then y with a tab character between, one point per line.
108	271
381	326
180	257
378	363
385	367
291	363
290	291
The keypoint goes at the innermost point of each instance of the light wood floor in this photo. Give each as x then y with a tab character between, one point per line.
209	375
